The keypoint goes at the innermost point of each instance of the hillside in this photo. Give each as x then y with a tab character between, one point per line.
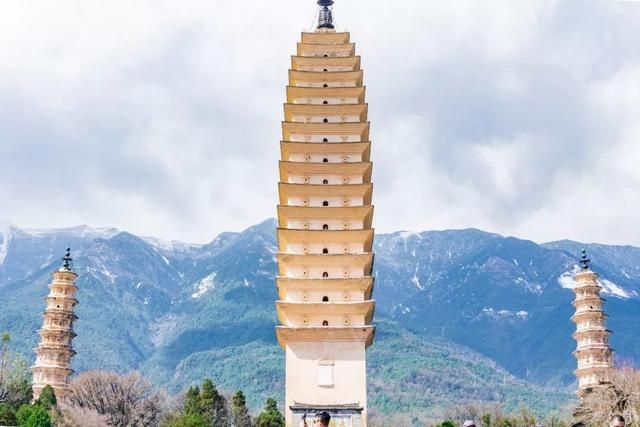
461	314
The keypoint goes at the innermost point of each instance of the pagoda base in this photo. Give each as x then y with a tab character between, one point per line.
342	415
330	376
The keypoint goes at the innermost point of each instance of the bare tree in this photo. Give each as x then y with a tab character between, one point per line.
621	397
72	416
124	400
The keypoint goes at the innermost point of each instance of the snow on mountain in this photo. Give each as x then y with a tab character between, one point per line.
5	235
204	285
80	231
567	281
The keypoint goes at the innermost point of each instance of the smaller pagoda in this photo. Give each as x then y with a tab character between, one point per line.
54	353
593	353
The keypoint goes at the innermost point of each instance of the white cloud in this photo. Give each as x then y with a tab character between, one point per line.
163	119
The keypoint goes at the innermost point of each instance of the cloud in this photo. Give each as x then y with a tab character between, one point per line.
515	117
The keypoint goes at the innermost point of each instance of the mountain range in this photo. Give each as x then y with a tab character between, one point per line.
460	314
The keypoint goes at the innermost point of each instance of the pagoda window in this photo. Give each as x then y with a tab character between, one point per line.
325	203
325	299
325	140
325	226
325	250
325	120
325	323
325	102
325	70
325	85
326	56
325	275
325	181
325	160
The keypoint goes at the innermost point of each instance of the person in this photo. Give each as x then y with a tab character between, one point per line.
322	419
617	421
469	423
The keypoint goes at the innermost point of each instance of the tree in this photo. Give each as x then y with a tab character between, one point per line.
621	397
15	376
192	402
47	398
447	423
240	413
271	416
33	416
124	400
193	420
7	416
214	405
72	416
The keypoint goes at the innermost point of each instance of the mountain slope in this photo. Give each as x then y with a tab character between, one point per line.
460	313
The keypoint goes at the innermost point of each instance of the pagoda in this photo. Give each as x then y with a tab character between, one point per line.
593	353
54	353
325	233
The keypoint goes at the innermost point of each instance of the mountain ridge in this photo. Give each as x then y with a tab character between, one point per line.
179	312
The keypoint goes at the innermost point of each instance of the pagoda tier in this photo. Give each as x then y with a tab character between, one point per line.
302	289
324	65
325	334
326	50
334	195
321	132
54	352
336	113
325	96
310	218
325	234
593	352
325	79
325	173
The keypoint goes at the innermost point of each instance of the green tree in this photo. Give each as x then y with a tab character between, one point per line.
447	423
192	402
33	416
7	416
214	405
239	410
47	398
193	420
271	416
15	376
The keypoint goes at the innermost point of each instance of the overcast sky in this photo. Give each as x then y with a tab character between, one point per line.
163	117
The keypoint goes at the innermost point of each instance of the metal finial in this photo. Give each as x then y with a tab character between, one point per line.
67	260
325	17
584	260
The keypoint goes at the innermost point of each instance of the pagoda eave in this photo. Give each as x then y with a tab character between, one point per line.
288	260
319	50
297	93
599	349
286	214
360	284
286	236
361	149
291	111
363	334
341	129
310	63
286	190
333	37
364	308
297	169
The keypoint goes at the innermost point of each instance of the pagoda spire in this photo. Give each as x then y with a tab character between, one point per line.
67	261
584	260
325	16
54	352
